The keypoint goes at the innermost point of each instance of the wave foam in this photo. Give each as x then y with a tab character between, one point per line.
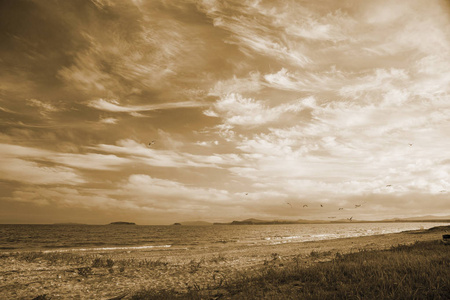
109	248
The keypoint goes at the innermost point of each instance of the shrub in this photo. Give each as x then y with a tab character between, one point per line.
84	271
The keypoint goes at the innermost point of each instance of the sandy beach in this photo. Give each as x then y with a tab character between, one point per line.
109	274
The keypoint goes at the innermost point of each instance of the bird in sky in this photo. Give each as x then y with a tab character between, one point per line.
388	185
151	143
341	208
350	219
357	205
289	204
246	194
305	205
321	205
410	145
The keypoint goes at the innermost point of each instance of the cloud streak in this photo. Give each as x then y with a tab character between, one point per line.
114	106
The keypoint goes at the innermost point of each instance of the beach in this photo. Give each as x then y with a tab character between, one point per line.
120	273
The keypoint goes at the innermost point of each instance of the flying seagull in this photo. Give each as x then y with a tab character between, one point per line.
305	205
341	208
410	145
151	143
321	205
246	194
357	205
350	219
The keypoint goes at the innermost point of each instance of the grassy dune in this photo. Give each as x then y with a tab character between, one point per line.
417	271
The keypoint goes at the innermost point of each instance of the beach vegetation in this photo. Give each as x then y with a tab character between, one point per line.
84	271
218	258
319	254
42	297
417	271
143	263
99	262
53	258
195	265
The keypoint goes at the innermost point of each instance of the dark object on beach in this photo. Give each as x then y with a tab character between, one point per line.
122	223
42	297
118	297
446	239
176	223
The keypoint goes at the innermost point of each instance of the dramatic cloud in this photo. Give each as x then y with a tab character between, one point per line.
160	111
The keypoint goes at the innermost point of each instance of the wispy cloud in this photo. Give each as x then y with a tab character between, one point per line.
114	106
315	82
138	193
34	157
256	33
109	120
167	158
237	110
35	173
146	187
250	83
44	106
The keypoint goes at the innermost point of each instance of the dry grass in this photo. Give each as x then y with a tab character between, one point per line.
85	263
54	258
418	271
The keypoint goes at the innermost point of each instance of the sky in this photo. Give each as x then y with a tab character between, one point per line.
158	112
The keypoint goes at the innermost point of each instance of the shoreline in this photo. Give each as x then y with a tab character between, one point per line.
102	274
234	242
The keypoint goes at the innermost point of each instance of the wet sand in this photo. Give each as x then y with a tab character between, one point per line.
109	274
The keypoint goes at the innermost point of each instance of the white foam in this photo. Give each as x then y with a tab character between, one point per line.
108	248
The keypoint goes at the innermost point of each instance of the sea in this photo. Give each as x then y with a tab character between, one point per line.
75	238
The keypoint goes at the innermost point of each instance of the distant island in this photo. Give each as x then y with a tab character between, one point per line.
122	223
266	222
193	223
339	221
68	223
252	221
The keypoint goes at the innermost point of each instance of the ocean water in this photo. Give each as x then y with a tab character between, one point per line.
129	237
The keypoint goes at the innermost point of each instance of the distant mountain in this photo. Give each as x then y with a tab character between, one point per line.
258	222
302	221
429	218
420	219
196	223
249	221
68	223
122	223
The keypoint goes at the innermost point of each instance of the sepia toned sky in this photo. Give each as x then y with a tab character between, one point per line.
256	109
